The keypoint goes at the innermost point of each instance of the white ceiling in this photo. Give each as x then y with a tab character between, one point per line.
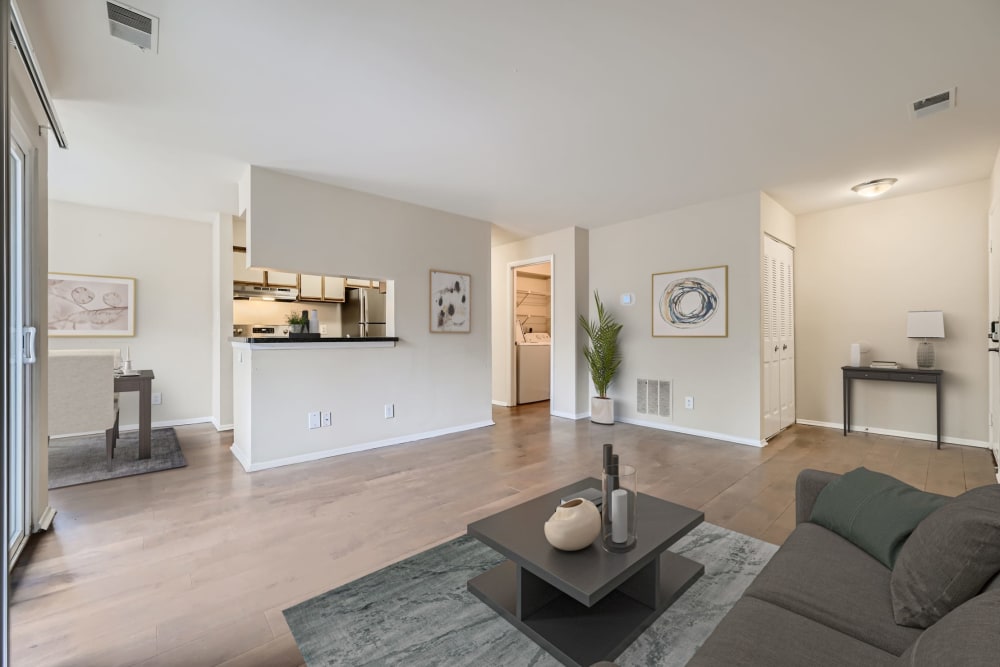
533	115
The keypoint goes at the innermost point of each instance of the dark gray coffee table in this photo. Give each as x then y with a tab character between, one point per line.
584	606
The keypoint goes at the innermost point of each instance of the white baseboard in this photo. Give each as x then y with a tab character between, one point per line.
855	428
568	415
241	456
168	422
135	427
502	404
222	427
244	460
725	437
45	520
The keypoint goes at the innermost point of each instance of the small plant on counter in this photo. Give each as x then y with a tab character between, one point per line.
297	322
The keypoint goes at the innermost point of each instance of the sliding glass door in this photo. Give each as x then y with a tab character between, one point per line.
22	355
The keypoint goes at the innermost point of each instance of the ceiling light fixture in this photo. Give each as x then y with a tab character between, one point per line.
874	188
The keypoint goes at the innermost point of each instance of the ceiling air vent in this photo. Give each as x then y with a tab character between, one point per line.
933	104
133	26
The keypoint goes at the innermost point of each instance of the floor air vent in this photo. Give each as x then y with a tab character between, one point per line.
133	26
940	102
654	397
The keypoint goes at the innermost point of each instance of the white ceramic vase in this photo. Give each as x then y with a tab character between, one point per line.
574	526
602	410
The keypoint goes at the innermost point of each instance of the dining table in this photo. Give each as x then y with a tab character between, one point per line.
142	382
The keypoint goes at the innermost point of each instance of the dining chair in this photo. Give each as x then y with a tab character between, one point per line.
82	397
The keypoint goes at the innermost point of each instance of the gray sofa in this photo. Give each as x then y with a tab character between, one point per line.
823	601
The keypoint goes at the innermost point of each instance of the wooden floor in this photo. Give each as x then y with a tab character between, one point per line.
193	566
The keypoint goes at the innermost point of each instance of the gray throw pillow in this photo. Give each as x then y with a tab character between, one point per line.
875	512
969	635
948	559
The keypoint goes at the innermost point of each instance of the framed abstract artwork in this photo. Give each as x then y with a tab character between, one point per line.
451	302
82	305
692	303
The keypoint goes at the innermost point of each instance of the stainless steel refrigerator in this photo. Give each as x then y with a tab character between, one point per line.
363	313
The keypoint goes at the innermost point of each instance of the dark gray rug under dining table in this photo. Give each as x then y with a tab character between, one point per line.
418	611
82	459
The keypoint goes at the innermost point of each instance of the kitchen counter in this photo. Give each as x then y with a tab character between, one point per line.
326	342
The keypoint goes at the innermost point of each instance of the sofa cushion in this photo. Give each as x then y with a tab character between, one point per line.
949	558
755	632
825	578
874	511
969	635
993	584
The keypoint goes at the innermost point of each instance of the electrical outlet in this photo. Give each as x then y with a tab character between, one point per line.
322	329
313	420
327	419
157	398
689	402
390	410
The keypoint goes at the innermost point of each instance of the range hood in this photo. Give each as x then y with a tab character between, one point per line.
265	293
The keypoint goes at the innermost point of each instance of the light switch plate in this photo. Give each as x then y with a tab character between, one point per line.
313	420
390	410
327	419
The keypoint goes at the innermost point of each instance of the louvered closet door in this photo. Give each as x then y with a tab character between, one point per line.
786	331
771	346
778	333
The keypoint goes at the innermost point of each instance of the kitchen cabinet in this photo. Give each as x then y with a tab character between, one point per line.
281	278
311	287
321	288
357	282
242	274
334	289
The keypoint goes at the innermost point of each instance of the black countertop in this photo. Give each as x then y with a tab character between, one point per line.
323	339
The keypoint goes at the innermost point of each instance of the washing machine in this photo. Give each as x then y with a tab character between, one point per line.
534	368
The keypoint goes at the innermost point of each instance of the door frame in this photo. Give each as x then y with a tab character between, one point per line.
18	137
992	314
511	352
4	323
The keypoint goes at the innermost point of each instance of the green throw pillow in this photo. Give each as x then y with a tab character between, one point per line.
876	512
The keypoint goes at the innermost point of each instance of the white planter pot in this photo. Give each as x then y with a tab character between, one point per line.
602	410
574	526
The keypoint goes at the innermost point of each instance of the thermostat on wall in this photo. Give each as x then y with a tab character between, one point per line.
628	299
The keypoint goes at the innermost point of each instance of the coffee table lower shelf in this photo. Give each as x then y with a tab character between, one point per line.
574	633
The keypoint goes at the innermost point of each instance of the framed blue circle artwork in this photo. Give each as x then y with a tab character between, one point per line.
691	303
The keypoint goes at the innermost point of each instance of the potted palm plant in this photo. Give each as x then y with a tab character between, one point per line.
604	358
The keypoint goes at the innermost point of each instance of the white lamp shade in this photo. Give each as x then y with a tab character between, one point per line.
925	324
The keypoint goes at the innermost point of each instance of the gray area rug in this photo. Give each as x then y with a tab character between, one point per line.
418	611
83	459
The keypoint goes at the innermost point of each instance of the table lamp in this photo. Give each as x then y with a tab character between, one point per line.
925	324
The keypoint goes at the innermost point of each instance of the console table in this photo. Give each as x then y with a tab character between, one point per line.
917	375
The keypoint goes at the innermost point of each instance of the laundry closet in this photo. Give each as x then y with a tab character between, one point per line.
533	331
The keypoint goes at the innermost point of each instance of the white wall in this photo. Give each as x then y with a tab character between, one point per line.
721	374
436	381
569	288
776	221
171	260
858	271
222	321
